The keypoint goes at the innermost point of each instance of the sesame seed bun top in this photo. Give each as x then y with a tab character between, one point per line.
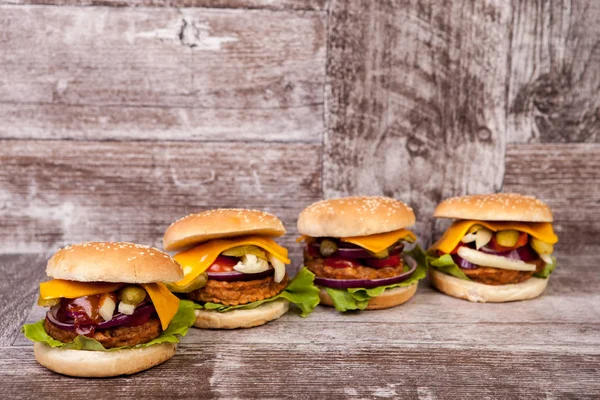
221	223
495	207
354	216
113	262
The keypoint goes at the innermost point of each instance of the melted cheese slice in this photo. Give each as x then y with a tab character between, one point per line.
380	241
198	259
59	288
165	302
374	243
539	230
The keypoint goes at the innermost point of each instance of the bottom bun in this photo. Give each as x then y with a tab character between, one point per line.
479	292
389	298
210	319
102	364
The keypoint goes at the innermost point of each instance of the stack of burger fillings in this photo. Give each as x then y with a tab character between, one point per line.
107	298
234	270
499	249
355	245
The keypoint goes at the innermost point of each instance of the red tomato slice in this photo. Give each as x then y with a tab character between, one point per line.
521	241
223	264
338	262
391	261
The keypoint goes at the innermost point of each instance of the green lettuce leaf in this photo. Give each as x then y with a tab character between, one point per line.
447	265
345	301
358	298
301	291
548	269
184	318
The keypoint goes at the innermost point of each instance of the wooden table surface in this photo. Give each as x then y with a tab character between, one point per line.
432	347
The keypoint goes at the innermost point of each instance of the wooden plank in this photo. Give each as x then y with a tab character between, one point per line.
567	177
300	5
324	370
159	73
21	275
554	80
59	121
417	100
432	347
58	192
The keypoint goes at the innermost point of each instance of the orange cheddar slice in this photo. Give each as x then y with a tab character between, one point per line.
539	230
198	259
60	288
380	241
165	302
302	238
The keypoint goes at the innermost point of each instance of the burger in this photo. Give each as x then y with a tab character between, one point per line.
354	246
499	248
233	269
109	314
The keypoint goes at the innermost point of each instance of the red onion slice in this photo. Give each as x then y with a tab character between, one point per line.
235	276
524	253
368	283
462	263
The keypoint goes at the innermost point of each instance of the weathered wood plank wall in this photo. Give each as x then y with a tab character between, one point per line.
154	74
429	99
115	120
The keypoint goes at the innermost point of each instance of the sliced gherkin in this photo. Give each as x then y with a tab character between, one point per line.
408	239
382	254
47	303
541	247
327	247
507	238
241	251
132	295
198	283
474	228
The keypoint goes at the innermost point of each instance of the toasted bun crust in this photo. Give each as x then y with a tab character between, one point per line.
389	298
113	262
207	319
221	223
102	364
478	292
495	207
354	216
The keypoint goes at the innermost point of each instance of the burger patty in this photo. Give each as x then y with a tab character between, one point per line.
497	276
112	337
317	267
238	293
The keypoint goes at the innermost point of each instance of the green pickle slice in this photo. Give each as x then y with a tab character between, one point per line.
240	251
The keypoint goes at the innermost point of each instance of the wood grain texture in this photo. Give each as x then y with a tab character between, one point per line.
554	72
332	371
416	100
21	275
300	5
432	347
567	177
149	73
58	192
